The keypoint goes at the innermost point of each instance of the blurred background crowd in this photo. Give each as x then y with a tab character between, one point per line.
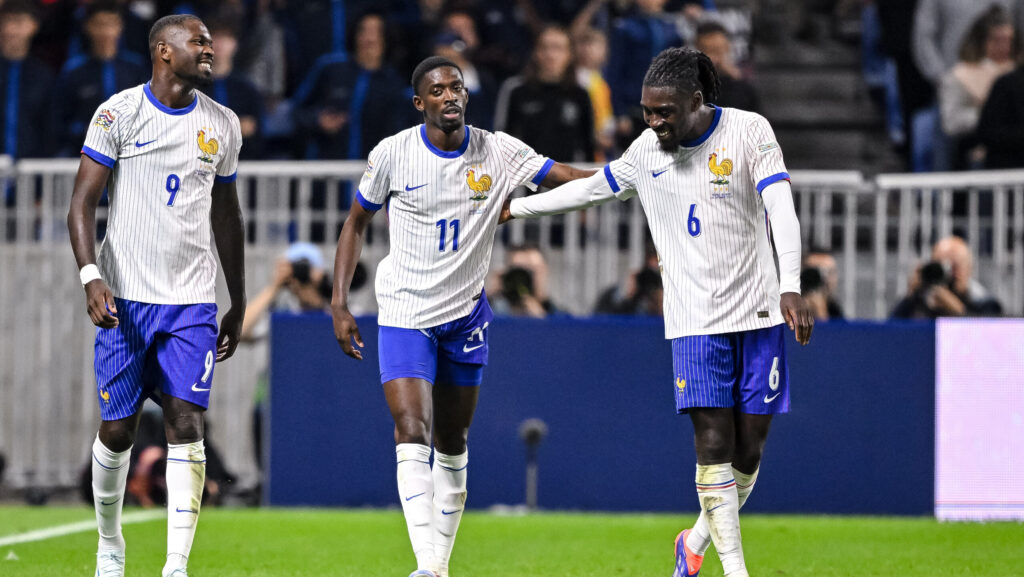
939	86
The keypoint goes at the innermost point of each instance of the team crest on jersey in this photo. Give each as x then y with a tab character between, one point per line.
680	384
105	119
208	147
105	396
479	185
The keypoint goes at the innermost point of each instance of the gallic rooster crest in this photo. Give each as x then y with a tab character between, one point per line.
720	169
478	186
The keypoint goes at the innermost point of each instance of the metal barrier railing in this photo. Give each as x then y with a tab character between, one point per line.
878	229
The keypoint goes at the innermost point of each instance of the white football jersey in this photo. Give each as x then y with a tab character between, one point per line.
164	162
708	221
443	210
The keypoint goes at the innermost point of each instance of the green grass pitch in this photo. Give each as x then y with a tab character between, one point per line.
373	543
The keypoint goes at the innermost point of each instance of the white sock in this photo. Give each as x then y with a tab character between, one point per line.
449	501
186	475
699	538
109	476
416	490
719	501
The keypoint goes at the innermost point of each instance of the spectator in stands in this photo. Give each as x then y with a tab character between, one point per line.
635	39
939	29
945	287
315	28
591	55
640	294
735	92
234	90
1001	126
523	286
87	81
482	87
300	284
346	106
545	106
989	51
28	81
819	281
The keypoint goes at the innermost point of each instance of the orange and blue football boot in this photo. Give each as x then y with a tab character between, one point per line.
687	562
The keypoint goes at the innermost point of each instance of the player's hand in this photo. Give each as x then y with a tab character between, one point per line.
798	316
100	302
346	331
230	333
506	212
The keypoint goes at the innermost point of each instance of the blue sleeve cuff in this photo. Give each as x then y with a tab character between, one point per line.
611	178
98	157
543	172
225	179
367	204
766	182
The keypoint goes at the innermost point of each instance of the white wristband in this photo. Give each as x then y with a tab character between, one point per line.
89	273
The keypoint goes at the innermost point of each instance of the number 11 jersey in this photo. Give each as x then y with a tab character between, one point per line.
442	209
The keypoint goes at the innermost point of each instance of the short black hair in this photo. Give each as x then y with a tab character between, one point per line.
427	65
167	22
686	70
711	27
13	7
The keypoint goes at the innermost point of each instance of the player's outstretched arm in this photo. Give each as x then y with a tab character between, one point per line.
778	201
574	195
563	173
350	246
229	234
89	183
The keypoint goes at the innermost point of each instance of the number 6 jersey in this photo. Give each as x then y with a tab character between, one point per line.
443	210
164	162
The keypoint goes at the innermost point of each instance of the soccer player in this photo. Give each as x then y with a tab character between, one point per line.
707	177
443	184
167	154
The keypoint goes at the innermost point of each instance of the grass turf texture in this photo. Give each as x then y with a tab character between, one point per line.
342	543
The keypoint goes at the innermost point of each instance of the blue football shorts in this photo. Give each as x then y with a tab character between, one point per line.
454	353
170	348
745	369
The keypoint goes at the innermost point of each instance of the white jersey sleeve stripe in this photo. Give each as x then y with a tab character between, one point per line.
770	180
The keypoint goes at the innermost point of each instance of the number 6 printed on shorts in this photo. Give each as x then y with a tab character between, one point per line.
773	381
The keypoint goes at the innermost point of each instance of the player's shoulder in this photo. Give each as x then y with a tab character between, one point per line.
743	120
217	109
128	99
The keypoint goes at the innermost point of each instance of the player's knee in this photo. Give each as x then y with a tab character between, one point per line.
747	458
451	442
184	428
411	430
117	437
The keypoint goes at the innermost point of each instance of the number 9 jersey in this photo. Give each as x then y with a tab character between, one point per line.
164	162
443	210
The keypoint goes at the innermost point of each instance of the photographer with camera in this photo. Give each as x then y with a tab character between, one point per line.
299	284
944	287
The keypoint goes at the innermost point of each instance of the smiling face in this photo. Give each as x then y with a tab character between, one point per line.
188	51
671	114
441	96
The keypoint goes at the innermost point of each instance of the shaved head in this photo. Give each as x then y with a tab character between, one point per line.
161	26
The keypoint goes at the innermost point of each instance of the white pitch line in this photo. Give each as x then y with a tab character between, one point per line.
79	527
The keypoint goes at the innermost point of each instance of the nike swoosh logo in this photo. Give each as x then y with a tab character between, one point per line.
141	144
186	511
412	188
443	512
767	400
657	174
102	502
199	389
715	507
414	496
469	349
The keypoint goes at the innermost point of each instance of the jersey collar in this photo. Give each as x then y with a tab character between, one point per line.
167	109
444	153
707	133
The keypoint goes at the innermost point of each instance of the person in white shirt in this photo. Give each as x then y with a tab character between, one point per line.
707	178
168	156
444	184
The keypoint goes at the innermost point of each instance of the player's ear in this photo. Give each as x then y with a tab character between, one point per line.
417	102
696	101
